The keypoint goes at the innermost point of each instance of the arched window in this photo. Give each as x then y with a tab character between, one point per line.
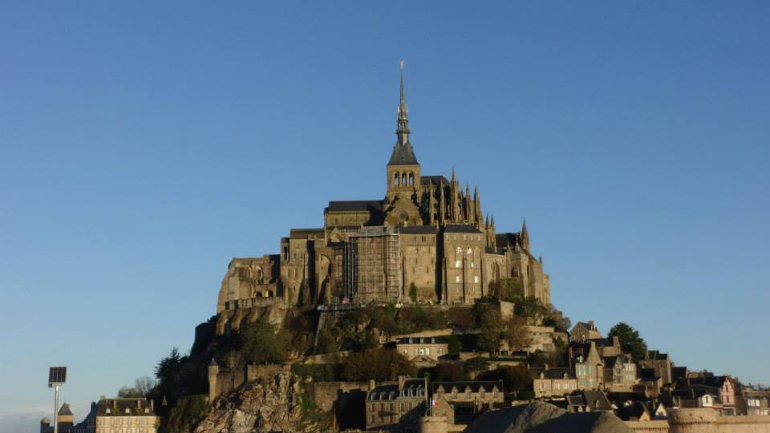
411	179
395	179
403	179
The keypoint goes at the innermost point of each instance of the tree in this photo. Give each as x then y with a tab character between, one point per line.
262	344
516	334
128	392
168	368
454	346
145	384
515	378
490	325
450	371
377	364
630	340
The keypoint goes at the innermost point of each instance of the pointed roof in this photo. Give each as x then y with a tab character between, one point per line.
403	153
65	409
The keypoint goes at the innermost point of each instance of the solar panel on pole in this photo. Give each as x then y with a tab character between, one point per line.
57	375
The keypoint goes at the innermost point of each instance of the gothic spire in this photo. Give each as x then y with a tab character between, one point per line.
403	154
403	113
524	235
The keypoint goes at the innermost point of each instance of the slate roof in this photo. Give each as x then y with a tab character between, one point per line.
118	407
65	409
391	391
305	233
656	355
474	385
504	240
420	340
355	206
435	180
460	228
552	373
597	400
418	230
711	381
403	154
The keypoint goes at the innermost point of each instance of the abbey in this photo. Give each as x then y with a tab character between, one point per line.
426	241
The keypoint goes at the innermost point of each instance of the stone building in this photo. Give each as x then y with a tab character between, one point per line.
427	240
553	382
417	347
122	415
583	332
469	398
396	407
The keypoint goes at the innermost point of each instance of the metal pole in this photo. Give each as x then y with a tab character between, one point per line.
56	408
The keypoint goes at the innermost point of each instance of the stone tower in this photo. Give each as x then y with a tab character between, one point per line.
403	173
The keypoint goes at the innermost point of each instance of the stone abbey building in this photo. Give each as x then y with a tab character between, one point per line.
427	239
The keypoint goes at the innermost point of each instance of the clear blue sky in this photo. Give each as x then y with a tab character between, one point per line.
144	144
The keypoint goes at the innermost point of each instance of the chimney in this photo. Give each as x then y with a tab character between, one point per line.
371	384
401	381
591	325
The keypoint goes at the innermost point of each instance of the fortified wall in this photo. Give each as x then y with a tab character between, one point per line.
702	420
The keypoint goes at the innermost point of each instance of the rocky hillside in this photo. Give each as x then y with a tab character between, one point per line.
272	403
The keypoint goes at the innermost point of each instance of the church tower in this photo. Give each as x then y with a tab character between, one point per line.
404	190
403	168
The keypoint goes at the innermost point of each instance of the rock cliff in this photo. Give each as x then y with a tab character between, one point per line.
271	403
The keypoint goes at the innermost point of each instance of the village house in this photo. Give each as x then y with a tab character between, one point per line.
589	369
661	363
431	348
121	415
553	382
469	398
396	407
583	332
619	373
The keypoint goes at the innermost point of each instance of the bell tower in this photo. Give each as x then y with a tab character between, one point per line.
403	168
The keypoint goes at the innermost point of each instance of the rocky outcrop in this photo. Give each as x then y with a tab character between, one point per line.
271	403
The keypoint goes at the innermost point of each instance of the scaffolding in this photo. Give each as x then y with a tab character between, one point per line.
373	266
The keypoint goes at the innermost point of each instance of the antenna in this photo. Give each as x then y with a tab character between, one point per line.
56	378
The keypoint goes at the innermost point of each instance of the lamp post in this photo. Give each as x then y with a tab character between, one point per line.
56	378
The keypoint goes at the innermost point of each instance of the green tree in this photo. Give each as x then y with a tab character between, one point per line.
261	343
630	340
168	368
454	346
377	364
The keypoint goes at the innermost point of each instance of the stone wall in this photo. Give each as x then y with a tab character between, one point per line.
335	395
702	420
